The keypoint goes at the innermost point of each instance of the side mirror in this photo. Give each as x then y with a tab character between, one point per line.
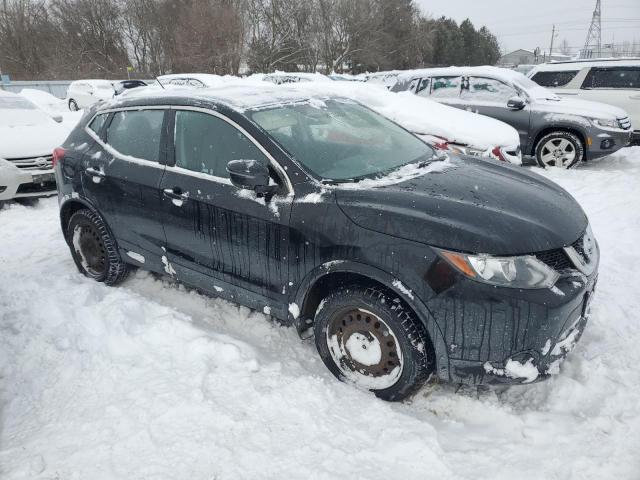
251	175
516	103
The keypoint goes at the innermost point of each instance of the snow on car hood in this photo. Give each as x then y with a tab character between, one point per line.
585	108
29	133
473	205
421	115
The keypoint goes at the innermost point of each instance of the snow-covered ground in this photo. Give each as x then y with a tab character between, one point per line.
151	381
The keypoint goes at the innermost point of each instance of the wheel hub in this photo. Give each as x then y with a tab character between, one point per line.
91	249
364	348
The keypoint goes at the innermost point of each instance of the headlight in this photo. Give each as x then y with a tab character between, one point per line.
606	123
513	272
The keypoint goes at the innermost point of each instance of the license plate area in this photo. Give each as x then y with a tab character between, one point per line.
43	178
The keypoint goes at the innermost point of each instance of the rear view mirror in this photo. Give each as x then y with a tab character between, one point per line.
516	103
250	175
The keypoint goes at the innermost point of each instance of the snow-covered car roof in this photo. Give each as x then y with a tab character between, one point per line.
239	95
208	79
93	81
580	64
504	74
294	77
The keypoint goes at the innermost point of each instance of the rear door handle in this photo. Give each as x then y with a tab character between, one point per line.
95	172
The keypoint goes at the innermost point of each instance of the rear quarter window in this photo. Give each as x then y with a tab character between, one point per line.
554	79
98	122
136	133
613	77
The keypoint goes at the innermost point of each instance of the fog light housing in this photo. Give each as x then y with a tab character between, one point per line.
607	143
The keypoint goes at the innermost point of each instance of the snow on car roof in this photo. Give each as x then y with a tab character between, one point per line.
580	64
314	77
240	94
503	74
209	79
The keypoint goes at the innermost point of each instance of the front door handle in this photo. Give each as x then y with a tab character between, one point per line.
176	195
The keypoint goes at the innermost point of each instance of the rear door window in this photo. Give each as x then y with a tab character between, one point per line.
445	87
481	89
613	77
205	144
554	79
136	133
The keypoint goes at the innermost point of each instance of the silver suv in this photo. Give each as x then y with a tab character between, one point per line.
558	132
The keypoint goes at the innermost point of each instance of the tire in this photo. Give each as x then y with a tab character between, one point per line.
357	326
559	149
73	106
93	248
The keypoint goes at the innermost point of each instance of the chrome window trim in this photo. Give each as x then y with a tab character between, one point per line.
272	161
142	161
113	151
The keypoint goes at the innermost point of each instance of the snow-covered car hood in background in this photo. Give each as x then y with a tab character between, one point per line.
421	115
29	133
585	108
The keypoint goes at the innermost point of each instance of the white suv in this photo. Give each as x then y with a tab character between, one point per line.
612	81
84	93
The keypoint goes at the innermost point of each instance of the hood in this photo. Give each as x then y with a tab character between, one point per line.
573	106
475	206
29	136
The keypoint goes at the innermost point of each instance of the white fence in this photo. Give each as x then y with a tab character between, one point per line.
57	88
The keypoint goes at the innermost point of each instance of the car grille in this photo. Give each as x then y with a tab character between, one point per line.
558	259
33	163
36	187
625	123
555	259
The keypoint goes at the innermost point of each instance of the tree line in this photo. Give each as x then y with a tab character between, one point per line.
69	39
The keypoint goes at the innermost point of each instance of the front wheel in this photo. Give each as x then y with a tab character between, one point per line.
367	337
93	249
73	106
559	149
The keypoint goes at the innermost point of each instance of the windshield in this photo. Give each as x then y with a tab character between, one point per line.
103	86
15	103
341	141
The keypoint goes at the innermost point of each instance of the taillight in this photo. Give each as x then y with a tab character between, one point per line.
58	154
498	153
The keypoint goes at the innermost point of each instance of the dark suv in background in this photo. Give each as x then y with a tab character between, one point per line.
318	211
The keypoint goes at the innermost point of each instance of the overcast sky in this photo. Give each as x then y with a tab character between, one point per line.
527	23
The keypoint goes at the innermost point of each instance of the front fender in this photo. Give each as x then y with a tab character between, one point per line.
403	290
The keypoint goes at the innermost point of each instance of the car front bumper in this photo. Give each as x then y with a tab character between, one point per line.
606	142
510	336
21	183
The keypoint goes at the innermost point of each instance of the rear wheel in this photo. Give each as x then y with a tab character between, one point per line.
93	248
559	149
73	106
367	337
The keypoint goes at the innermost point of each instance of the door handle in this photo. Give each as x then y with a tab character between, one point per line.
176	194
95	172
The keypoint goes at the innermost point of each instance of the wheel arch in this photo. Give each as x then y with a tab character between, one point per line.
328	276
581	134
69	207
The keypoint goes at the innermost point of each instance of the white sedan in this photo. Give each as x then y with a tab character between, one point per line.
28	137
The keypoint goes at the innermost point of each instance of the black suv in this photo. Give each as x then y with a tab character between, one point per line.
323	214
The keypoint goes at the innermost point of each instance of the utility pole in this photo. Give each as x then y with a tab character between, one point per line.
553	36
593	43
